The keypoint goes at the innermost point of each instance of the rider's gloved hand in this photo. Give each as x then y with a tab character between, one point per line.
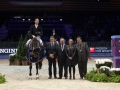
33	36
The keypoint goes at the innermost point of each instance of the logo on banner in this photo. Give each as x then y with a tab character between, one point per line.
100	50
92	49
8	50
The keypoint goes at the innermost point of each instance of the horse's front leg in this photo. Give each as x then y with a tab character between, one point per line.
40	64
37	75
30	73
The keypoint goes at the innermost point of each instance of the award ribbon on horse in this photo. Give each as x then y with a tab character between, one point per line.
34	53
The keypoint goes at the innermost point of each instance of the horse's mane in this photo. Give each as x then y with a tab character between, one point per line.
34	44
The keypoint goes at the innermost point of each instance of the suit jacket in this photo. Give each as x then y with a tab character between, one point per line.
51	50
82	52
36	31
61	54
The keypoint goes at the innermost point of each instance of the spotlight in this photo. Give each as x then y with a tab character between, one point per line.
60	19
41	19
23	19
28	19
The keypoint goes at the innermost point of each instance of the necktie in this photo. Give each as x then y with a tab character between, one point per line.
80	47
62	47
52	44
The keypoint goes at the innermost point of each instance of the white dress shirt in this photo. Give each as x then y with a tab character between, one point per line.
36	25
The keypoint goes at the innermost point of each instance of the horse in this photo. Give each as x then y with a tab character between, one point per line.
35	55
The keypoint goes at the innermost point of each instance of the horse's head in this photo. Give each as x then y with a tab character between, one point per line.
35	46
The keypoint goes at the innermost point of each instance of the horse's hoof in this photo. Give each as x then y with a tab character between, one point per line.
30	78
37	77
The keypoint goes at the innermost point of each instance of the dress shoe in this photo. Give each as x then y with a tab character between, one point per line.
59	78
49	77
55	77
65	77
84	78
81	77
73	77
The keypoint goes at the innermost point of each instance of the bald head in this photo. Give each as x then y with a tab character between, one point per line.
62	41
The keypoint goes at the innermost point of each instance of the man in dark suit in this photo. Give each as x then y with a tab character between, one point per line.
36	32
83	55
61	58
51	55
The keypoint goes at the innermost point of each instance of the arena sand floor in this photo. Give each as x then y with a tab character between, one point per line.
17	79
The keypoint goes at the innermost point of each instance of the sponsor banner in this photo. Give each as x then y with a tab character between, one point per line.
94	52
4	56
100	54
100	49
8	50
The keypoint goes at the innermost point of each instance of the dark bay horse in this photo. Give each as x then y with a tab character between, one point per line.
35	55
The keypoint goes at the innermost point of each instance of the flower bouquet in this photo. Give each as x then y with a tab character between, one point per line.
115	70
105	69
103	62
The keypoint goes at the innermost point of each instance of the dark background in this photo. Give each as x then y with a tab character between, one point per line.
77	13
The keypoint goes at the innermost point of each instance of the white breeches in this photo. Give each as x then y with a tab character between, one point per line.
38	38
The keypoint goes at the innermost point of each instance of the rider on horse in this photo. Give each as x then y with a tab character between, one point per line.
35	32
35	36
